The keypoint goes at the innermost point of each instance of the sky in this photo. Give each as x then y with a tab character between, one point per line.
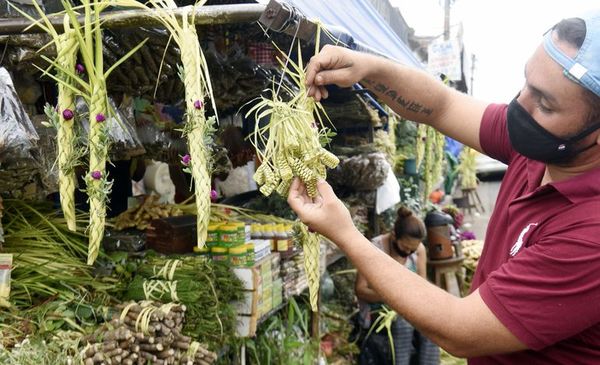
501	33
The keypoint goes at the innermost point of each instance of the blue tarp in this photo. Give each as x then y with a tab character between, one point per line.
359	19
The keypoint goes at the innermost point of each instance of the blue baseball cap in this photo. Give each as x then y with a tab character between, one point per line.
585	67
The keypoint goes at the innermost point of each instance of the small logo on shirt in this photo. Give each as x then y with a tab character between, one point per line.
517	246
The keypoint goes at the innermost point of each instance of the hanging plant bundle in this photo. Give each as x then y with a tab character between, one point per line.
98	185
194	74
66	48
291	145
468	169
430	156
63	116
89	42
311	245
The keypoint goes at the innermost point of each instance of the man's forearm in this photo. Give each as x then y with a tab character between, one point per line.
420	97
413	94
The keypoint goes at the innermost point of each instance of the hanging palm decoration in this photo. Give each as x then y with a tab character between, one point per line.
198	90
87	38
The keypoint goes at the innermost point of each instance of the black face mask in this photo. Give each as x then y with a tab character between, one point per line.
400	251
532	141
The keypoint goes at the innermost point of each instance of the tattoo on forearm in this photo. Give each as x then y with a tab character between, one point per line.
381	88
409	105
367	82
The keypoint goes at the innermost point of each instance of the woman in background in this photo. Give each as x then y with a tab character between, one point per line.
403	245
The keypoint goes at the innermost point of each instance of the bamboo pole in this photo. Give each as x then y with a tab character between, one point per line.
205	15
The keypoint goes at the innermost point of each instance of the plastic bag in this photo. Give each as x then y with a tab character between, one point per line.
129	240
158	127
124	141
48	6
388	194
18	136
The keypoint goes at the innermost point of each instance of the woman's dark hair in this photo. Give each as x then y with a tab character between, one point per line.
573	31
408	225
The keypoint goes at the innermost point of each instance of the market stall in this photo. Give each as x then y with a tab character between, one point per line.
144	190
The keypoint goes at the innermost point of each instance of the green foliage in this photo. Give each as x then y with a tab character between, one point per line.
410	193
62	347
284	339
273	204
406	138
447	359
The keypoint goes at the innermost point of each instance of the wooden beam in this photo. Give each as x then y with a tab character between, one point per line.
205	15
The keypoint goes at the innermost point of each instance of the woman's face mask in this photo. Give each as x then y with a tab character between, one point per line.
531	140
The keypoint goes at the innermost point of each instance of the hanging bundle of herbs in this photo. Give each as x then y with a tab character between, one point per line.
198	90
430	157
291	145
311	245
63	116
467	168
93	89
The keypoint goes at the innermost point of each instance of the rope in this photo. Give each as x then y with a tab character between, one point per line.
142	322
294	16
160	287
167	271
193	349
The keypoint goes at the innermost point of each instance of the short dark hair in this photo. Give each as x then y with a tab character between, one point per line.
573	31
408	225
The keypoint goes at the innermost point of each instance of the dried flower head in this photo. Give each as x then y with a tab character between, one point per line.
68	114
186	159
96	175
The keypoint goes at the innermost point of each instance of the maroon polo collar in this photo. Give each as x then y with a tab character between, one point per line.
576	189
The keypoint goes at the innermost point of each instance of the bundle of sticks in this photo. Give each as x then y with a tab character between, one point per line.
142	333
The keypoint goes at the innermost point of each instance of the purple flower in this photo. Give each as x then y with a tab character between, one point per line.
79	68
198	104
186	159
213	195
100	118
68	114
467	235
96	175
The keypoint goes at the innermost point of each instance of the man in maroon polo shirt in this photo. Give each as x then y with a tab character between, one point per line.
536	292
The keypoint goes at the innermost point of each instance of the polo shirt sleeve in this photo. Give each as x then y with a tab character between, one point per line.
549	291
493	133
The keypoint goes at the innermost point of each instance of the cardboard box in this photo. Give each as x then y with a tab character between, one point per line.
246	305
246	326
248	276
